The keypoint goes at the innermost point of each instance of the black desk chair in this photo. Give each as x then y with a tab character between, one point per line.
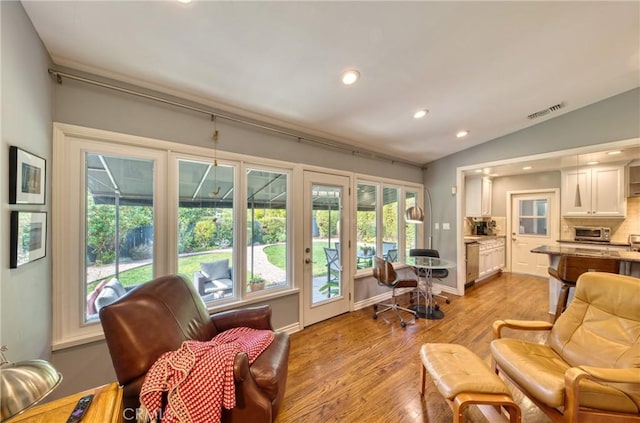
386	275
435	273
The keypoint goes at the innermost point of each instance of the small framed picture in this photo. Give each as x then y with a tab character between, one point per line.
26	177
28	237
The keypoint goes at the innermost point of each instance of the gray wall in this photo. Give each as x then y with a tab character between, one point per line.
85	105
31	101
613	119
27	113
529	181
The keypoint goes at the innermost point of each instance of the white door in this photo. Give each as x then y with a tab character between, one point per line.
534	222
326	290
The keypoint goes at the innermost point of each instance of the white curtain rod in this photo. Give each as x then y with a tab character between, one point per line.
363	153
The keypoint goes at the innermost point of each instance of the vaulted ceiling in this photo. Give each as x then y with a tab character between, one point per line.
479	66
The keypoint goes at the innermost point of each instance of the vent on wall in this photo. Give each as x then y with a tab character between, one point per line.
546	111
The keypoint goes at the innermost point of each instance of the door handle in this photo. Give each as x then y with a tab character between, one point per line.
308	261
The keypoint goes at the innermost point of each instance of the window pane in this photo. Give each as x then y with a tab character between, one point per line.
367	224
205	227
411	229
267	198
325	254
119	228
390	222
533	217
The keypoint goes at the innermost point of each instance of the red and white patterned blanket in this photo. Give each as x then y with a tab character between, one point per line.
198	377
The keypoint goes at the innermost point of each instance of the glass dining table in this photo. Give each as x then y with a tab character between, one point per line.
428	310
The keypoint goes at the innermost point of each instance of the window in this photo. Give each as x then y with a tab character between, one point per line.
367	225
205	227
411	229
118	228
129	209
267	223
534	217
390	197
381	229
147	211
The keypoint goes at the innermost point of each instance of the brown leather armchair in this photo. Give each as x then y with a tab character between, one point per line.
158	316
589	368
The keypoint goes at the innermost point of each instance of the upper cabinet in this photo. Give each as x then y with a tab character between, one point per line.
477	194
634	179
601	192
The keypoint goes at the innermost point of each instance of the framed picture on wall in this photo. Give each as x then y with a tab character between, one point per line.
28	237
26	177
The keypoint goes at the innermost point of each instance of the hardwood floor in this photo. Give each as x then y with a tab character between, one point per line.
355	369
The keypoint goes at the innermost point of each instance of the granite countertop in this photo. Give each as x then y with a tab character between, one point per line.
629	256
603	244
476	238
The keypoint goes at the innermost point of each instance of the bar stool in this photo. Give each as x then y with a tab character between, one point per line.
571	267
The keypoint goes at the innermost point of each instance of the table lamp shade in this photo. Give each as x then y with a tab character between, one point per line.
23	384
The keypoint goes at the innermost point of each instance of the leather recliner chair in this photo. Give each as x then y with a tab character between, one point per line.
158	316
589	368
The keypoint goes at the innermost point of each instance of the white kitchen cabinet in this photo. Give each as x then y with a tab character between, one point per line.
601	192
477	194
492	257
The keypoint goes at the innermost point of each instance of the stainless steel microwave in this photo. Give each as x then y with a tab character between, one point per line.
592	233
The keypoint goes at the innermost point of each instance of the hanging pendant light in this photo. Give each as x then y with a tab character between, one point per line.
215	157
577	202
414	214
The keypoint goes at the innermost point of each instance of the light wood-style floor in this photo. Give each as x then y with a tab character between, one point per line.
355	369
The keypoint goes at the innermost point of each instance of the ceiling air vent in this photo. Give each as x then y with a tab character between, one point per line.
546	111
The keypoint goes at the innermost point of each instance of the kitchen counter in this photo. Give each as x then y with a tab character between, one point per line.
629	264
626	256
476	238
601	244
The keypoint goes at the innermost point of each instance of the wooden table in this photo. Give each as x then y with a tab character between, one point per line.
106	407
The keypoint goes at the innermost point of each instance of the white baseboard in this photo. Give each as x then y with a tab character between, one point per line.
291	329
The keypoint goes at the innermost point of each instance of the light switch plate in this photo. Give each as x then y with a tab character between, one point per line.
436	225
445	226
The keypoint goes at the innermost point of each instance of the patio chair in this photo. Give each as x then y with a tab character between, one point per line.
333	272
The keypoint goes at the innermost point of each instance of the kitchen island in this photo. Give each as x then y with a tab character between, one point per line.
629	264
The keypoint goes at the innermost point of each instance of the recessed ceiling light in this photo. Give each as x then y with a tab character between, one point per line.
184	1
593	162
614	152
527	168
350	76
478	170
420	113
462	133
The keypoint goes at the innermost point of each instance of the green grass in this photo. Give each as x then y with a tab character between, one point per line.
187	265
277	256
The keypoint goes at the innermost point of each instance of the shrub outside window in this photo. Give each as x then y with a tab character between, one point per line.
205	227
267	223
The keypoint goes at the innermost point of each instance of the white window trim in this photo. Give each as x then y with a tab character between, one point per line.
68	263
403	187
69	142
68	237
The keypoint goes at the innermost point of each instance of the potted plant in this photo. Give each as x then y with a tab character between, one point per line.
256	283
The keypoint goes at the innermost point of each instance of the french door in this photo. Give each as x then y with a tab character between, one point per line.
534	222
326	287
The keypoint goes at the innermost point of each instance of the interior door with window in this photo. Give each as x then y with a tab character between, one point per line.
534	222
326	290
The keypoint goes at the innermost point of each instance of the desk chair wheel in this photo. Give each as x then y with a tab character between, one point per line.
403	324
448	301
